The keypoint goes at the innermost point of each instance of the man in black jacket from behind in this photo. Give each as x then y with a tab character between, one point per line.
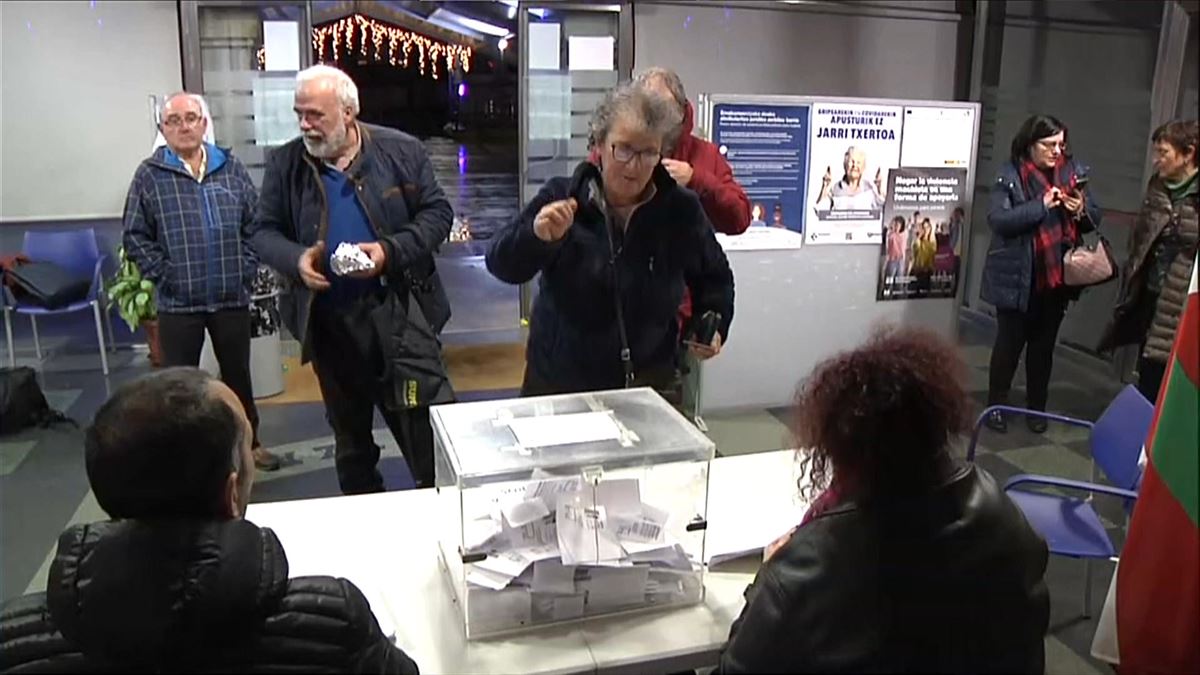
178	580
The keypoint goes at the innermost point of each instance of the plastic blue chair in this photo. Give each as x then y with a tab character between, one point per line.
1070	525
77	252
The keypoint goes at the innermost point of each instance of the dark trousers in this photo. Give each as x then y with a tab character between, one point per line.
1035	331
181	337
1150	377
348	361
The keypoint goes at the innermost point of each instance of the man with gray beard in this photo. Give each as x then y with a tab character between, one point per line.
372	334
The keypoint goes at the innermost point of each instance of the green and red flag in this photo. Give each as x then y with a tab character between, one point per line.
1158	580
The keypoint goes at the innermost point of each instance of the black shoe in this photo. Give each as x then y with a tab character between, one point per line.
996	422
1036	424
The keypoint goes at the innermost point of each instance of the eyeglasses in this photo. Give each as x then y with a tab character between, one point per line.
190	119
1059	145
625	154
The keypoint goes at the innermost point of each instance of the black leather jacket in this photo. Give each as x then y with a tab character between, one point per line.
947	582
198	596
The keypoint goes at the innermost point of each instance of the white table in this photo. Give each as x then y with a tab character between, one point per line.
386	544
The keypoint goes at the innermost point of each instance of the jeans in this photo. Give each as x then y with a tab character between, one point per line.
348	361
1036	332
181	337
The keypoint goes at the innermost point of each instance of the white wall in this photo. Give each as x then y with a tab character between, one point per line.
75	116
752	51
715	50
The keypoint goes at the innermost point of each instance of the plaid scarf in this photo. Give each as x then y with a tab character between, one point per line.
1058	232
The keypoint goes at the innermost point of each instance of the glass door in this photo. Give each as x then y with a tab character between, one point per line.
571	55
243	57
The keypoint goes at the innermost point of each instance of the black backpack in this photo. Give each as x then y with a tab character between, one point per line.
22	403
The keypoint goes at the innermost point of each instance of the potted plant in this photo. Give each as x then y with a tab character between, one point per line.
134	298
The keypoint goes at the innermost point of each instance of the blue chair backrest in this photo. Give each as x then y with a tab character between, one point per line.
74	250
1119	435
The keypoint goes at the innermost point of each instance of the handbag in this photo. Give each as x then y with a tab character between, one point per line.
1089	264
47	285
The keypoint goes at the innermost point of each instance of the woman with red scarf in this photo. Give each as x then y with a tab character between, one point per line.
1038	210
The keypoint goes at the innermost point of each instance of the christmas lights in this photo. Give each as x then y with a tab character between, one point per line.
400	43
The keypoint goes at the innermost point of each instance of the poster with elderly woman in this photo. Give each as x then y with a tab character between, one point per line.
924	220
853	147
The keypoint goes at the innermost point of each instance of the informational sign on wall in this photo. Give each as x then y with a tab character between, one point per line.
938	137
853	147
924	227
766	145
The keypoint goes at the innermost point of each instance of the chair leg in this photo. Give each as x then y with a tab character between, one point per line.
1087	588
12	348
106	310
37	343
100	337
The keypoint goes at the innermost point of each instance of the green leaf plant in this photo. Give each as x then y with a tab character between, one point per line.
132	295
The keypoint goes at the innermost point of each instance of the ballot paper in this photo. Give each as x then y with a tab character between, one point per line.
507	563
482	534
541	532
619	497
647	526
549	490
490	610
551	576
520	513
568	607
487	578
552	430
583	534
612	587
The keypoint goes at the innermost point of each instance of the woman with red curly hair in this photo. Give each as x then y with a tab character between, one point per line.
910	560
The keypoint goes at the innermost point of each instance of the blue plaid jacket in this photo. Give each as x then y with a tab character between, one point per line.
192	238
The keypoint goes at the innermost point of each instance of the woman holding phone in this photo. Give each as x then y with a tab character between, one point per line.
1039	207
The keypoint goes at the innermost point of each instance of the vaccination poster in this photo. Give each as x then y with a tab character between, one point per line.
766	145
924	223
853	148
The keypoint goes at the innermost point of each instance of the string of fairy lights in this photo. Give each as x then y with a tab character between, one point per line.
381	42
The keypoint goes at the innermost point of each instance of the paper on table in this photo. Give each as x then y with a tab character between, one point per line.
552	430
517	514
551	576
742	521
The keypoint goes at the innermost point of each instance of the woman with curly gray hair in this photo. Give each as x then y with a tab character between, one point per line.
615	245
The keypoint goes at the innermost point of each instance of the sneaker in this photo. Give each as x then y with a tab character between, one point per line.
265	461
1036	424
996	422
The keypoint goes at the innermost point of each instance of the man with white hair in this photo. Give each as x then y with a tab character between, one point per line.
372	334
187	223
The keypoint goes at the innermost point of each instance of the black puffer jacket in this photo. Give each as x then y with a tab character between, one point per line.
189	596
948	582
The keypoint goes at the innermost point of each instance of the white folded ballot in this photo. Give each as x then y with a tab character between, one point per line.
576	549
349	258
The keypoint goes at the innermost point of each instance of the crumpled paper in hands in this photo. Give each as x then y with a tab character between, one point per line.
350	258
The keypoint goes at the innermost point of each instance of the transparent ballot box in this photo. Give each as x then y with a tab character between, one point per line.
562	508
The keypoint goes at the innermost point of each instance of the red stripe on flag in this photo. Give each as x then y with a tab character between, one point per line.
1187	343
1158	598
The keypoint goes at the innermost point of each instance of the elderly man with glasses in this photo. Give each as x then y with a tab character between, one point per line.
188	217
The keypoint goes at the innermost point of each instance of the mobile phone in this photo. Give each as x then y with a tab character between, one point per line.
705	328
1080	183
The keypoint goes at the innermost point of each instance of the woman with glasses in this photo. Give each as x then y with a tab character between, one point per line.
615	245
1037	212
